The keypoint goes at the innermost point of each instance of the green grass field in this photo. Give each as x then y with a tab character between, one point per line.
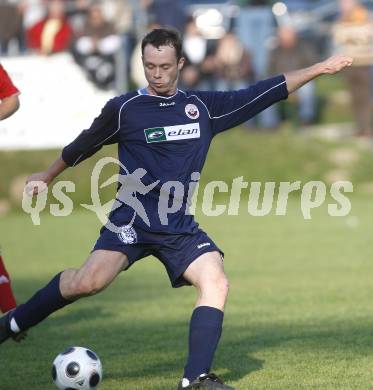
299	315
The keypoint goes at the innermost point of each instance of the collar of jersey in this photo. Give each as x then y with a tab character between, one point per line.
144	91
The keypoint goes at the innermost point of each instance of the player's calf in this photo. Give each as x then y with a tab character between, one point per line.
101	268
43	303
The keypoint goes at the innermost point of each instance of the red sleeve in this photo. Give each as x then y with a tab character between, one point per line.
33	35
7	88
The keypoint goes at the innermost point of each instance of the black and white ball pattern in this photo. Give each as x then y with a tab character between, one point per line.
77	368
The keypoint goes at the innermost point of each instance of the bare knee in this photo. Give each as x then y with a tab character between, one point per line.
83	287
219	285
75	285
213	291
96	273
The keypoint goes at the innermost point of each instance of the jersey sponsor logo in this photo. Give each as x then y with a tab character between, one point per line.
191	111
156	134
166	104
128	235
172	133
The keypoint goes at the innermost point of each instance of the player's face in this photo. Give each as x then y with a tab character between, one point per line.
161	69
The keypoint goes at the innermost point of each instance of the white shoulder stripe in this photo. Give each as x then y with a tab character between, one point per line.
116	131
239	108
120	111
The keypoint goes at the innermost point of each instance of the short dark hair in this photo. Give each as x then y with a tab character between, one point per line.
164	37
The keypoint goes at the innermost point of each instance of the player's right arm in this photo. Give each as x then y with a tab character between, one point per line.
103	131
47	176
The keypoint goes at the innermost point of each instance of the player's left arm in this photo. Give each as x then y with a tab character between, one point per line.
229	109
332	65
9	106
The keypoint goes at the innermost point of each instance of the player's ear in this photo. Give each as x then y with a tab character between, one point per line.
181	63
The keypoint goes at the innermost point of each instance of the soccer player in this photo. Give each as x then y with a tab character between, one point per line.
8	95
7	300
9	104
166	132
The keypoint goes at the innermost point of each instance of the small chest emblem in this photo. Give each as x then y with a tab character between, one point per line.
191	110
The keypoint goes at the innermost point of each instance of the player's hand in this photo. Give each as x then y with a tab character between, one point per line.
335	64
37	182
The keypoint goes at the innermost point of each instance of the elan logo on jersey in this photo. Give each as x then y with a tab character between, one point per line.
172	133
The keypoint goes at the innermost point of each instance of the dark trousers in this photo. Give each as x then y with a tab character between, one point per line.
358	82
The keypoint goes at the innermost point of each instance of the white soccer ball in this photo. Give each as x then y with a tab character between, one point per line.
77	368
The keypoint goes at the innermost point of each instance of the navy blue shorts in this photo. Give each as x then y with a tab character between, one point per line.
175	251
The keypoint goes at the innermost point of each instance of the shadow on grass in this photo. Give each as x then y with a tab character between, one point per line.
146	347
134	348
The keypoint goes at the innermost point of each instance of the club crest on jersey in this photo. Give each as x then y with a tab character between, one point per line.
127	235
191	110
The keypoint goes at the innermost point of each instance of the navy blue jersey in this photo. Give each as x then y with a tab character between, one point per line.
169	137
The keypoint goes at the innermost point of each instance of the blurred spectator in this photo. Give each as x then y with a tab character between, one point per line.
233	67
95	49
11	29
120	13
254	27
254	2
353	35
195	52
77	12
289	54
166	13
53	33
33	11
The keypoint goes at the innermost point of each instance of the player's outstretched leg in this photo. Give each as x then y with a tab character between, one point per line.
206	273
96	274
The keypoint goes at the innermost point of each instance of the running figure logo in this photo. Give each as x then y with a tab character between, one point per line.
131	184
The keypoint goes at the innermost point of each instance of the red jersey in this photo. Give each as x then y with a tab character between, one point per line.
7	88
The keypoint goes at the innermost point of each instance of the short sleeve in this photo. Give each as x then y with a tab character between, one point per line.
7	88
